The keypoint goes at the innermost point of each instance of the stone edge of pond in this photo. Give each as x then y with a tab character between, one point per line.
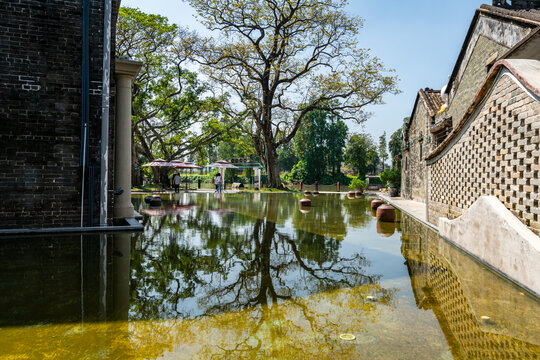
514	251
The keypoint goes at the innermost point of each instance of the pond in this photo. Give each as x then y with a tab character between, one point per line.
250	276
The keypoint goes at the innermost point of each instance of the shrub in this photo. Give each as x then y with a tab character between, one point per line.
357	184
391	177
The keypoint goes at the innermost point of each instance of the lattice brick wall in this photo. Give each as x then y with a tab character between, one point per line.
497	155
463	331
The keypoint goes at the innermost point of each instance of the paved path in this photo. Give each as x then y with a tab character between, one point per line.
416	209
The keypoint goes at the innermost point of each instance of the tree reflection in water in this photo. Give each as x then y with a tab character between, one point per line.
230	256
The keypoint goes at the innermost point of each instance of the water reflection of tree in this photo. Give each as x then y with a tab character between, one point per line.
240	263
358	211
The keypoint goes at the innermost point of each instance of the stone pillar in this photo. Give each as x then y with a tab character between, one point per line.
125	72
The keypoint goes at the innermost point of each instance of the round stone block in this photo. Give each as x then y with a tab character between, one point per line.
358	193
155	202
307	192
305	202
315	193
351	194
376	203
305	209
386	213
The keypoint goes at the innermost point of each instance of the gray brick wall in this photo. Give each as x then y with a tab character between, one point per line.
473	76
498	155
40	112
413	184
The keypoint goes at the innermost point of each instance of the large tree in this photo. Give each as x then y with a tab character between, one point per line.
383	152
319	145
279	55
362	154
395	145
173	113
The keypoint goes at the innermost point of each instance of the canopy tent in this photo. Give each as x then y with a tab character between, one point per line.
222	165
184	165
159	163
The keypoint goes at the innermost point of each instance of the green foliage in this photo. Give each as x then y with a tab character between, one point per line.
287	157
362	154
391	177
298	173
173	113
327	179
318	146
270	52
395	144
383	153
375	180
357	184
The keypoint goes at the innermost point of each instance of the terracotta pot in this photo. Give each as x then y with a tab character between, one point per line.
376	203
386	213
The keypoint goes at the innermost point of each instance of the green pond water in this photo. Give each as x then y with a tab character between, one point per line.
253	276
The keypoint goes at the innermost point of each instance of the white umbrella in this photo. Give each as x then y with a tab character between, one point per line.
159	163
222	165
184	165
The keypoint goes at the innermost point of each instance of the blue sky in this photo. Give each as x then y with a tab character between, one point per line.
420	39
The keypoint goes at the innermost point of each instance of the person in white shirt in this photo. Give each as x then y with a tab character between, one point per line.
176	180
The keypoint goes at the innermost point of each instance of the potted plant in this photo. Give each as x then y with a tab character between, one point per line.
359	185
392	179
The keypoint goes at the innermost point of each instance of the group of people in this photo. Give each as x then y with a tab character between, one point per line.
177	180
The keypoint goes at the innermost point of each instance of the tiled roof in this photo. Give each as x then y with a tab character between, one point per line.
531	15
432	100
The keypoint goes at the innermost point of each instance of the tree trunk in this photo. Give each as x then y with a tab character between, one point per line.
272	166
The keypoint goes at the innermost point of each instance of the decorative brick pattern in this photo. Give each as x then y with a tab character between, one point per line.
441	282
498	155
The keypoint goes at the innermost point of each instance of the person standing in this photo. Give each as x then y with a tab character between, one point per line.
176	180
217	181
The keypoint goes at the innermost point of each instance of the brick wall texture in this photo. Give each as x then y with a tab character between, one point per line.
473	76
497	155
413	179
40	112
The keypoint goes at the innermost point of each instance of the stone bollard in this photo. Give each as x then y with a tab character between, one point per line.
350	194
304	202
376	203
386	213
